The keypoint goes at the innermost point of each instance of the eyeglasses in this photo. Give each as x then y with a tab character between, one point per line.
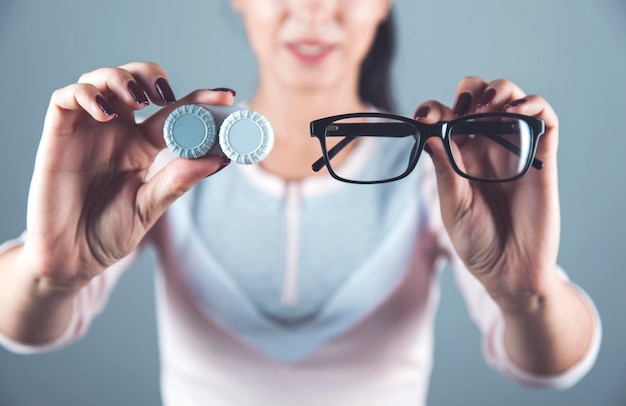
489	147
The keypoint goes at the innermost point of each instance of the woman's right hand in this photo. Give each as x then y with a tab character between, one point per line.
89	203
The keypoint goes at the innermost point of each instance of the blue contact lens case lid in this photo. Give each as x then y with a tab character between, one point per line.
246	137
190	131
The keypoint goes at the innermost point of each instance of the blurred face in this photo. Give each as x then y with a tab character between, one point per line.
311	43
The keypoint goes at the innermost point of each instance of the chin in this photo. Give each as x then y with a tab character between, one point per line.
312	79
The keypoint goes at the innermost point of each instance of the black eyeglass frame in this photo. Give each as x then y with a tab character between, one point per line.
422	134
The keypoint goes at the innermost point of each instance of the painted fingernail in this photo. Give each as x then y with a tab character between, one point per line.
225	90
165	91
422	112
515	103
487	97
105	106
463	104
138	94
224	164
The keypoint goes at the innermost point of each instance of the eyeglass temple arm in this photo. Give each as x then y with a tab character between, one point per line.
319	164
352	131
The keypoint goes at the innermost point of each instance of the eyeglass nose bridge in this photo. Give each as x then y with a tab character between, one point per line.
436	130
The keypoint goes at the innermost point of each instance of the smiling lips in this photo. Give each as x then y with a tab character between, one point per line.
310	52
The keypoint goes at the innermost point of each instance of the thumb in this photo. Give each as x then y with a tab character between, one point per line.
171	182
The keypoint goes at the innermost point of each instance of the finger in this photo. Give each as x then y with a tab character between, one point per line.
537	106
453	189
432	111
152	127
171	182
451	186
119	86
77	98
153	80
455	192
497	94
541	184
468	92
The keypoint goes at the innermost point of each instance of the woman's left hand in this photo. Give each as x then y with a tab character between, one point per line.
507	234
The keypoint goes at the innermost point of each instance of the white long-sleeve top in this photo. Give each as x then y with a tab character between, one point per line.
313	292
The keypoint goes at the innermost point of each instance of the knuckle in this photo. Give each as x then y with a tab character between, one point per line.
103	74
174	189
82	89
84	77
509	86
145	67
58	93
431	103
153	66
501	81
64	92
470	79
116	73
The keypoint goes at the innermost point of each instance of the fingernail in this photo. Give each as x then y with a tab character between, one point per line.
422	112
487	97
165	91
105	106
225	90
138	94
224	164
515	103
463	104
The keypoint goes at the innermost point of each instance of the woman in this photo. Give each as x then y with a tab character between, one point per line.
279	285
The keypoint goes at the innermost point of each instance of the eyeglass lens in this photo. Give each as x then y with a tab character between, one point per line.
490	148
395	139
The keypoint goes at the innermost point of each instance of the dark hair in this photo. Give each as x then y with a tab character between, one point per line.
375	78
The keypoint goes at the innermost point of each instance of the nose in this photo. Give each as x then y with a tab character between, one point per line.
311	11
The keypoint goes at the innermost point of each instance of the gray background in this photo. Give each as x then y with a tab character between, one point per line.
573	52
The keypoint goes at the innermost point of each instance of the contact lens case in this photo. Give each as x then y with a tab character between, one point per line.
195	130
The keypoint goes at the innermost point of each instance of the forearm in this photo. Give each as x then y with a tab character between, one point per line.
551	336
30	313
